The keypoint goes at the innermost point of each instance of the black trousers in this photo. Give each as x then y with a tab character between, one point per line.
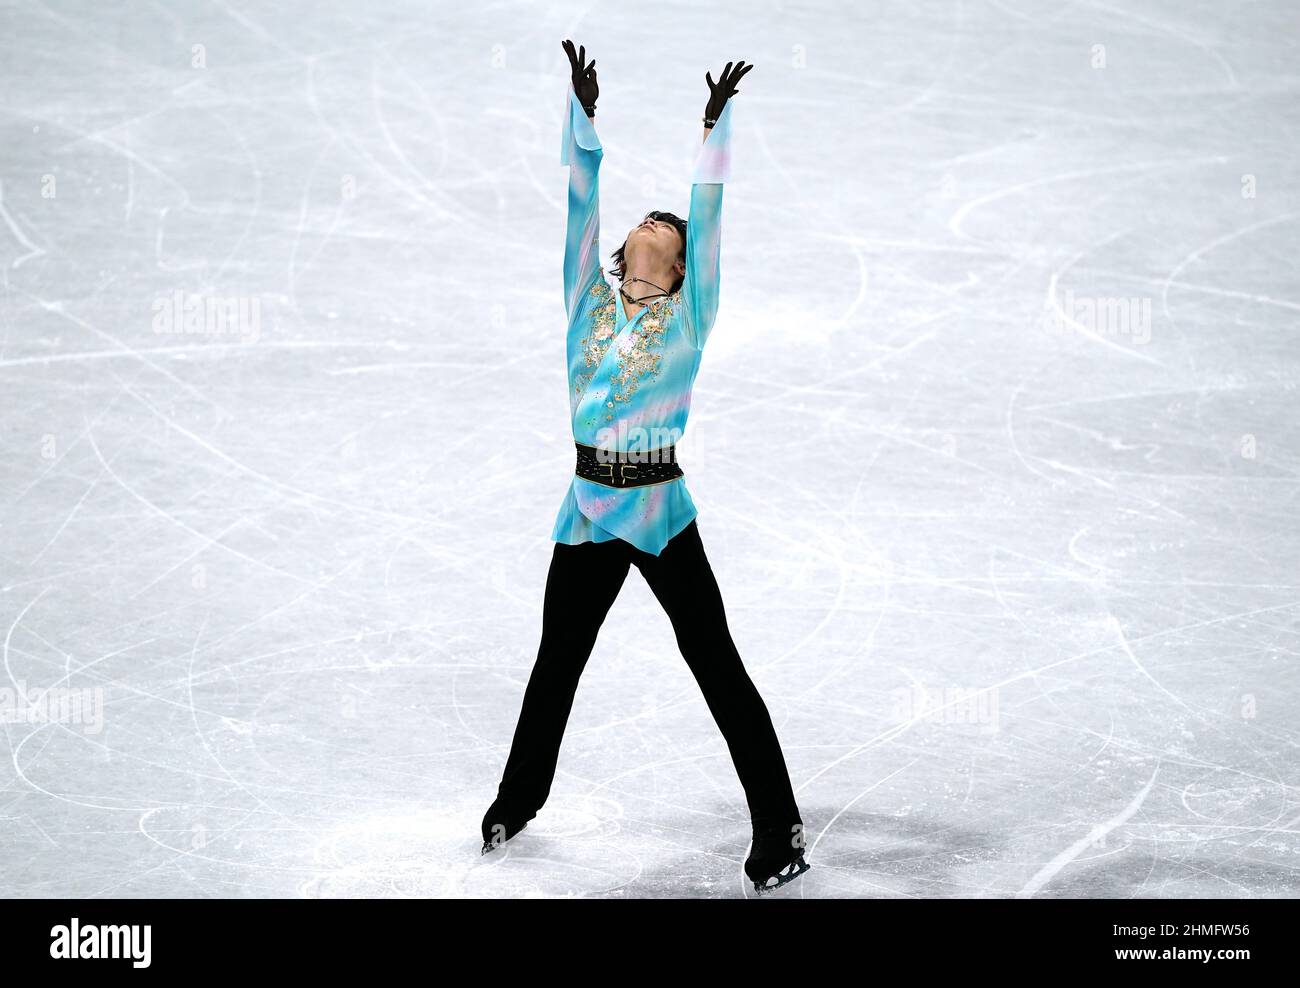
581	586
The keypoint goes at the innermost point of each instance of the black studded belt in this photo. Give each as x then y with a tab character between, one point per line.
634	468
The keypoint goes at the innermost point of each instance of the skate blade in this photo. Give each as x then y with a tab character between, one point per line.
490	846
784	877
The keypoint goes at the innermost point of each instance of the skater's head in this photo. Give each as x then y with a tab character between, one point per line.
656	244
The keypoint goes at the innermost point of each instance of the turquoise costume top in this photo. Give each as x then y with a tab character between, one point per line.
630	379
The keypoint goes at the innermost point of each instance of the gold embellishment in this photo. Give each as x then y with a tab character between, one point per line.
599	336
639	355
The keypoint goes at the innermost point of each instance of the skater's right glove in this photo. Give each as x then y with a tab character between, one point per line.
584	78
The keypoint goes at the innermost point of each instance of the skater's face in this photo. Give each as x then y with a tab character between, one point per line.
657	241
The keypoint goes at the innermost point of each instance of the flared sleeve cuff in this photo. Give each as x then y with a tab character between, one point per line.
579	133
713	163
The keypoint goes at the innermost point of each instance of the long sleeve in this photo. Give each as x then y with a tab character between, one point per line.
704	232
580	149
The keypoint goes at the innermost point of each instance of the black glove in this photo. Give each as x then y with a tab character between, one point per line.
722	90
584	79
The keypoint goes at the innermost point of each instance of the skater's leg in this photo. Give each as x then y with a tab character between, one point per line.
684	584
581	585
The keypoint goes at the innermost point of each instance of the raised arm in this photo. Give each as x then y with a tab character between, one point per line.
580	149
704	221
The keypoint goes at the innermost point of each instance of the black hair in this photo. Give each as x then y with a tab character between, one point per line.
620	262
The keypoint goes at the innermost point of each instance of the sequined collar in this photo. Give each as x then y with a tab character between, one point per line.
622	309
657	304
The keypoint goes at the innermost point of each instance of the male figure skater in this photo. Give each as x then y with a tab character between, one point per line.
632	360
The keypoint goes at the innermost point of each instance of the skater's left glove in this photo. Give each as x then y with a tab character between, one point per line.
723	90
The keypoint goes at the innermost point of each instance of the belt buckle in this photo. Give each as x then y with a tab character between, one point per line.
623	478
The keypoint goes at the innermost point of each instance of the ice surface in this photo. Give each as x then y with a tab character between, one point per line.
301	556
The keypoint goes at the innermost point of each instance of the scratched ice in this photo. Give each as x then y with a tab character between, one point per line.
995	447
